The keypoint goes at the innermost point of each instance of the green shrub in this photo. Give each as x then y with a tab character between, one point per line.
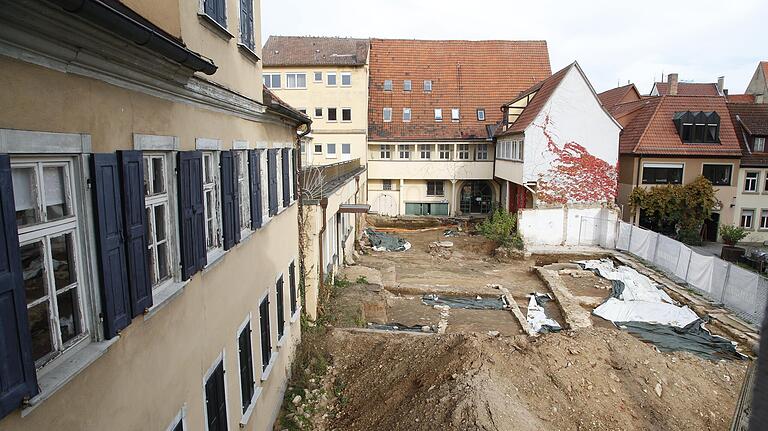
732	234
501	227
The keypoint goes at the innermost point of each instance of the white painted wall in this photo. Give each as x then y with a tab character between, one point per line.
568	226
575	115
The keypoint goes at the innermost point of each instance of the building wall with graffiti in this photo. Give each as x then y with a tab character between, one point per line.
571	149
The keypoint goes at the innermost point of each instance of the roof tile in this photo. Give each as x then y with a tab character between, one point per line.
314	51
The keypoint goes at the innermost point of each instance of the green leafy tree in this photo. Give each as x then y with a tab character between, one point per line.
501	227
677	209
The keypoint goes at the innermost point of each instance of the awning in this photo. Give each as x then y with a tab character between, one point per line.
354	208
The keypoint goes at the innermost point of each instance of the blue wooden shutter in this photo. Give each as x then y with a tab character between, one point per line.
215	400
280	307
191	213
272	178
18	380
286	171
132	176
254	172
292	284
230	210
294	185
115	292
265	333
246	23
246	366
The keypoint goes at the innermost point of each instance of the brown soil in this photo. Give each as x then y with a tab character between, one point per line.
588	380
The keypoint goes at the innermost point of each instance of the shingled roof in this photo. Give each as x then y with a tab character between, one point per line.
750	120
467	75
615	96
314	51
652	131
689	89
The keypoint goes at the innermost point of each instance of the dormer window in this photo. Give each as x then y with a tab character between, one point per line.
758	144
698	127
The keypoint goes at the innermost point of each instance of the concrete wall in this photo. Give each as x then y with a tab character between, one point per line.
568	226
757	201
510	171
572	124
320	95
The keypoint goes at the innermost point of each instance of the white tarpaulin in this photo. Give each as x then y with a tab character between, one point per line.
700	272
537	318
622	242
639	300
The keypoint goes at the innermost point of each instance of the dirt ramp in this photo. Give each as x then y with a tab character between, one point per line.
594	379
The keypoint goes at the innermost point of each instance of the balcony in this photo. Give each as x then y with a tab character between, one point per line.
471	161
320	181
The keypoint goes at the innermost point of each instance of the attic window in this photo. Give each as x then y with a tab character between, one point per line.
407	85
696	127
480	114
388	85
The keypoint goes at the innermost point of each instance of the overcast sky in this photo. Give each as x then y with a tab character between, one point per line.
614	41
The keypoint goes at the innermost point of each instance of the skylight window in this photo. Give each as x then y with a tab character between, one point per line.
388	85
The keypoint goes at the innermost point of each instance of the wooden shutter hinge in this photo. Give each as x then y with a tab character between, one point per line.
88	183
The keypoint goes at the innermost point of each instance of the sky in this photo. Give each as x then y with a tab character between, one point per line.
614	41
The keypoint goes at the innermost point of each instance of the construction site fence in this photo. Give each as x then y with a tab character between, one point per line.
740	290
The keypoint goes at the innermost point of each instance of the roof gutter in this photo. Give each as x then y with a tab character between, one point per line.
111	19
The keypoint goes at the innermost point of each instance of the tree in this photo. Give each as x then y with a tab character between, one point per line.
677	209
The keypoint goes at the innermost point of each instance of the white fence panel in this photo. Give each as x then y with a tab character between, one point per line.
640	241
622	242
667	253
719	274
700	272
741	290
681	270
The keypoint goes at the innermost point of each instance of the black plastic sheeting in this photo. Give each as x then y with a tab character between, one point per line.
693	338
467	303
389	242
394	327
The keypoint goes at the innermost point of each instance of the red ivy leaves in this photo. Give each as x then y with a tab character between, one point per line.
576	176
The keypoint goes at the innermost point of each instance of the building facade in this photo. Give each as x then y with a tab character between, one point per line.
326	78
751	206
674	139
546	157
148	273
433	107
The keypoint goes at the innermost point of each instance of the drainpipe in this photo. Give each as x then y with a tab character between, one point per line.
636	217
299	188
323	206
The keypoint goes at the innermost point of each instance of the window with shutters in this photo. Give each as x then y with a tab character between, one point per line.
245	365
246	24
49	239
243	189
280	297
265	186
211	200
158	209
265	335
216	10
216	397
179	422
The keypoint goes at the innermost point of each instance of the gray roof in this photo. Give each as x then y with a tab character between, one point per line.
314	51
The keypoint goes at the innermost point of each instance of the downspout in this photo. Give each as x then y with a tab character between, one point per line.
637	184
323	206
298	180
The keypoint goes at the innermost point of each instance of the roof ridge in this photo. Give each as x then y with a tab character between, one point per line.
396	39
648	123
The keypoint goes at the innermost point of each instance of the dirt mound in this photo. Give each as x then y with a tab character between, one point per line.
596	379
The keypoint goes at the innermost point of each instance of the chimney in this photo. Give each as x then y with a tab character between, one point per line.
721	85
672	79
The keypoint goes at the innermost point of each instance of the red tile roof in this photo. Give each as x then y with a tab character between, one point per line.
544	90
615	96
652	130
750	119
689	89
465	74
740	98
314	51
623	109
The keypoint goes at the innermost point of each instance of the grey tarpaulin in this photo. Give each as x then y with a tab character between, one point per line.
381	241
468	303
693	338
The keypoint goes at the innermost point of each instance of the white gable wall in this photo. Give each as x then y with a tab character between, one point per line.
574	115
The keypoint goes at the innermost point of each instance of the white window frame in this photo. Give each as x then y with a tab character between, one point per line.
243	190
744	217
438	114
328	116
342	115
263	155
271	75
758	144
388	85
462	152
348	154
444	151
43	232
480	114
245	416
295	76
315	78
455	114
387	115
404	151
328	76
385	151
221	358
406	115
328	153
154	201
764	219
212	188
435	184
266	371
386	185
315	148
321	113
750	184
407	85
345	75
181	417
427	85
425	151
481	151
